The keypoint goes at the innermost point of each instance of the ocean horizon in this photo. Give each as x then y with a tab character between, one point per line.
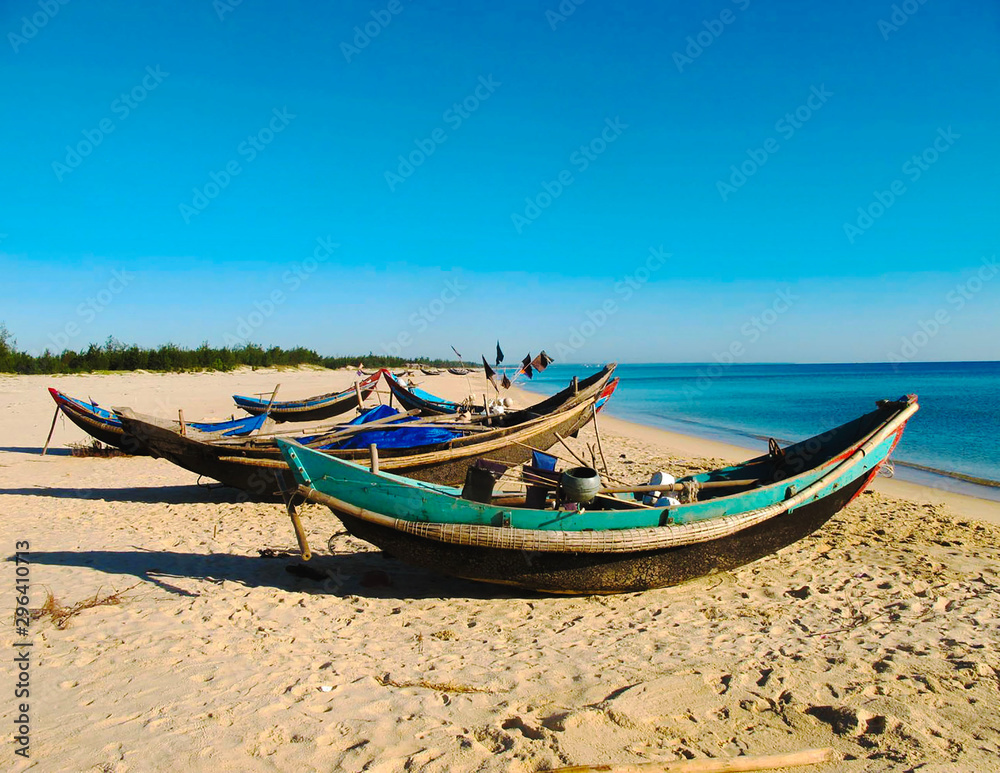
951	443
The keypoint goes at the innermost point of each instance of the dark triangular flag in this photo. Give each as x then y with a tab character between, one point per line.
505	382
541	362
490	373
499	354
526	366
456	353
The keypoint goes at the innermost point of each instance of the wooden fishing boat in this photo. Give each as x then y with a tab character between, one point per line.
105	426
430	371
413	398
732	516
459	371
256	466
310	408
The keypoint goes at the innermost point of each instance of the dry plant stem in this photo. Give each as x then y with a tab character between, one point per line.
767	762
61	615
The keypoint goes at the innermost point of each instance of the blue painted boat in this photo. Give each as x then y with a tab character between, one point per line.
310	408
731	516
414	398
105	426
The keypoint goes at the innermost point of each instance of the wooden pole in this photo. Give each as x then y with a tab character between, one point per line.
270	402
576	384
300	533
731	765
357	393
51	430
267	411
486	411
647	488
600	447
571	451
373	449
180	418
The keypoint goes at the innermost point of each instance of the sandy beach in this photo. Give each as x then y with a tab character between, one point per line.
879	635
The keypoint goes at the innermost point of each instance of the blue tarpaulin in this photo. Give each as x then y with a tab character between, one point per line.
390	438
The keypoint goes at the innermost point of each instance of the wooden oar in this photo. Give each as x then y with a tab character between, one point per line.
731	765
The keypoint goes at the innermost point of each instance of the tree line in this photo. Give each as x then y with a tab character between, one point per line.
114	355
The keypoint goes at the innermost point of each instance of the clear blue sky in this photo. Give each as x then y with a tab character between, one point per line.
313	119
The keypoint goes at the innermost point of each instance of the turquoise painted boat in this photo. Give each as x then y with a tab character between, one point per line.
731	516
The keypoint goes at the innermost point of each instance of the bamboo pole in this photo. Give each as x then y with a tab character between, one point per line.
300	534
571	451
180	418
731	765
600	447
675	486
357	393
274	394
373	450
267	412
51	430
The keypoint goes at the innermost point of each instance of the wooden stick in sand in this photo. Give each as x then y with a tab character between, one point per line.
51	430
180	418
600	448
731	765
357	393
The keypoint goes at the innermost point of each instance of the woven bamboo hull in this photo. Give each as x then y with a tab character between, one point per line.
604	573
263	474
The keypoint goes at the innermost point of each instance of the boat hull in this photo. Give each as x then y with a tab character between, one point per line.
605	573
108	431
262	472
315	410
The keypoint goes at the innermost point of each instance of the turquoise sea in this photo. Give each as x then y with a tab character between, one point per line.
954	437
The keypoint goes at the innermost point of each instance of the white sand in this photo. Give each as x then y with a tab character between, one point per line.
877	635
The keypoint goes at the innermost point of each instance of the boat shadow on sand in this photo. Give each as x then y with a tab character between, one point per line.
370	574
170	495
